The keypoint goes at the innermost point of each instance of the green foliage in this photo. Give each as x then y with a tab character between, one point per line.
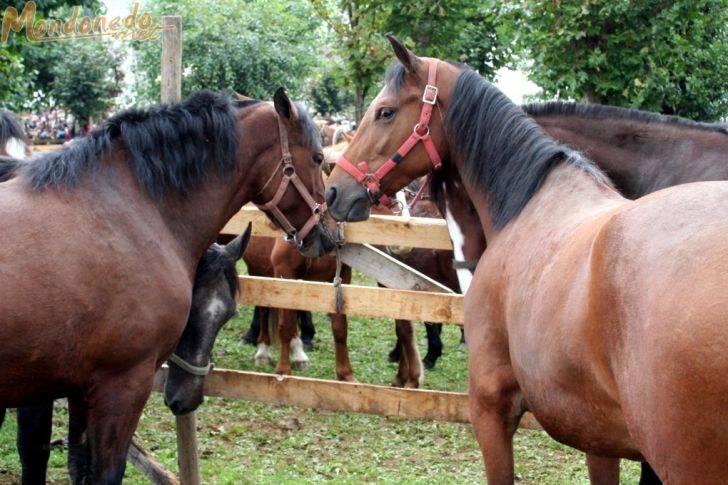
327	96
252	47
462	30
13	83
87	77
669	57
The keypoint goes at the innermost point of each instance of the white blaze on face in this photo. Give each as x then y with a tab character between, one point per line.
15	148
215	308
465	276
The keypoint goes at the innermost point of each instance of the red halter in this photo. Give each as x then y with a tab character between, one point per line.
420	133
289	177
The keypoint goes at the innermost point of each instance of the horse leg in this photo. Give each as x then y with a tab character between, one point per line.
308	331
2	416
394	355
340	330
253	333
434	344
648	475
78	453
113	410
410	372
602	470
263	356
286	333
496	401
34	441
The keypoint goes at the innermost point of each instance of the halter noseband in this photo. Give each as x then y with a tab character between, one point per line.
195	370
420	133
290	177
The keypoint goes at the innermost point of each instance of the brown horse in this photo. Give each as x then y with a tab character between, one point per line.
575	281
126	215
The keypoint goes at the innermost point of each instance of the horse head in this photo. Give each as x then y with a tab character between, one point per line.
213	304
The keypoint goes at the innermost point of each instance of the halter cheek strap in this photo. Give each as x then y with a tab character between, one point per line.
420	133
290	177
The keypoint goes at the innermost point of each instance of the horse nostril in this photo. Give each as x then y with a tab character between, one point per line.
330	196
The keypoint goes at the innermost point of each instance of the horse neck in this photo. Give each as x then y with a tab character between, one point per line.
642	157
568	196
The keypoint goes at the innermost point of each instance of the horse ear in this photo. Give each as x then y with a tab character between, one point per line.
236	248
405	56
283	105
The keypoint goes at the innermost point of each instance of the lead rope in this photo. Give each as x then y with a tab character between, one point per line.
338	289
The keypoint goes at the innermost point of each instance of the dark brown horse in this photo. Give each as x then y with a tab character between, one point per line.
575	280
126	215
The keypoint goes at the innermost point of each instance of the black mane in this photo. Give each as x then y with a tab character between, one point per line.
9	167
503	151
169	146
10	127
600	111
214	262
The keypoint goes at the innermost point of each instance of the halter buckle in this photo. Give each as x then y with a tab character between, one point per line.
430	94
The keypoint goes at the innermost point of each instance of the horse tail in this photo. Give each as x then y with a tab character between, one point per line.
275	338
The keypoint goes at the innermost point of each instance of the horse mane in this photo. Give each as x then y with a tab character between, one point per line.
169	146
10	127
601	111
9	167
503	151
214	262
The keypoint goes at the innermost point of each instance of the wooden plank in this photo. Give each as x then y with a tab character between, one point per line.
340	396
187	459
387	270
171	65
149	467
423	306
418	232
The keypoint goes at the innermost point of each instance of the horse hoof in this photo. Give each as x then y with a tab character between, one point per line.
307	346
300	365
397	382
429	364
393	356
347	378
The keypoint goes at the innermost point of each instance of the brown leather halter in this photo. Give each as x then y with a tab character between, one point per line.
420	133
289	177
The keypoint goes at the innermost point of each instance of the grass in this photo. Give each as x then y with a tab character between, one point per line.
255	443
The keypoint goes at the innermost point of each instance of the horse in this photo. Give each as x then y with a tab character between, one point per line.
640	151
213	304
575	280
13	142
165	180
272	257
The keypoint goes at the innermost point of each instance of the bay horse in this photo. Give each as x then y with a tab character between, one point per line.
126	215
213	304
575	281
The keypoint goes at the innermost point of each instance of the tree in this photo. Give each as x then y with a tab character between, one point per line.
462	30
14	86
669	57
88	78
252	47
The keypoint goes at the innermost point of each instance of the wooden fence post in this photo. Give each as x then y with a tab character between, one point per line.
189	467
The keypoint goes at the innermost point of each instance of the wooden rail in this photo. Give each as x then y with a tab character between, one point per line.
418	232
338	396
424	306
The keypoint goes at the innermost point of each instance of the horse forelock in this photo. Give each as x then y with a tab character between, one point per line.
169	146
213	264
600	111
10	129
503	151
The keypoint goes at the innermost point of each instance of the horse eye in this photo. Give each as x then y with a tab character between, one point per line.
318	158
385	113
